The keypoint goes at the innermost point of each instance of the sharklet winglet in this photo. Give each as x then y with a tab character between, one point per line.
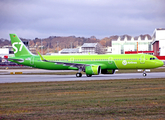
42	58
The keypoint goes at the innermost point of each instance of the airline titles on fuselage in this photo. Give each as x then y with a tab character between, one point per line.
124	62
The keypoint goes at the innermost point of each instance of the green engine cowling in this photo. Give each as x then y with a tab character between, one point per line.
92	70
105	71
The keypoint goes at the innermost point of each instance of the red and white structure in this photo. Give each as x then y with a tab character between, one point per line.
159	42
158	45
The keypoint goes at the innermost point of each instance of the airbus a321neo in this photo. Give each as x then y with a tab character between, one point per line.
90	64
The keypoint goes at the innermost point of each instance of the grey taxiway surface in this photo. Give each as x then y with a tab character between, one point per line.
48	78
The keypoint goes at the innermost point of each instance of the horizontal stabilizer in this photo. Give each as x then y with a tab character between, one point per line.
19	60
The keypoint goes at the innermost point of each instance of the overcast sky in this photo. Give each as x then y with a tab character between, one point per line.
81	18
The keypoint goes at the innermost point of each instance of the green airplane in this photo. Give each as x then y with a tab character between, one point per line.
90	64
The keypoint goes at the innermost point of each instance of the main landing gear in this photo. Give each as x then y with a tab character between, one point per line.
144	73
78	74
88	75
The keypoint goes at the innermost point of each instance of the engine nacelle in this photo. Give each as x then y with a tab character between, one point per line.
92	70
105	71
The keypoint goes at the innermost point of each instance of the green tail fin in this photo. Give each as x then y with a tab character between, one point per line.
19	48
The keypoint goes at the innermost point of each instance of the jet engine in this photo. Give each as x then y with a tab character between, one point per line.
92	70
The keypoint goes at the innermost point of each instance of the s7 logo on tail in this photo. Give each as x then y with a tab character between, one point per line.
16	49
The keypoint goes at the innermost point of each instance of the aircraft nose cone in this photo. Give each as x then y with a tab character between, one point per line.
161	63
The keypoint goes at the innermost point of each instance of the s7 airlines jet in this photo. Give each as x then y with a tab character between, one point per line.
90	64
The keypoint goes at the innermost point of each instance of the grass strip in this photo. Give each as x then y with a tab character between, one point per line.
106	99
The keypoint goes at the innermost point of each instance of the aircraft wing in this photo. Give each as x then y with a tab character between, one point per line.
69	64
64	63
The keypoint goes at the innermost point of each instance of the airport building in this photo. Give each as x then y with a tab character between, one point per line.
86	48
158	42
6	51
92	48
154	45
89	48
69	51
128	43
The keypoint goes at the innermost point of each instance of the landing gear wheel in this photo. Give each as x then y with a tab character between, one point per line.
88	75
78	75
144	74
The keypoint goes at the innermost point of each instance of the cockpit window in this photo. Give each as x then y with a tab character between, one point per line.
153	58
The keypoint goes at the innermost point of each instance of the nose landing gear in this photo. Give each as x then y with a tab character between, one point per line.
144	73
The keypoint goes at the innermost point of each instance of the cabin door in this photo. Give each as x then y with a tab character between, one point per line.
142	59
71	60
110	60
32	60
